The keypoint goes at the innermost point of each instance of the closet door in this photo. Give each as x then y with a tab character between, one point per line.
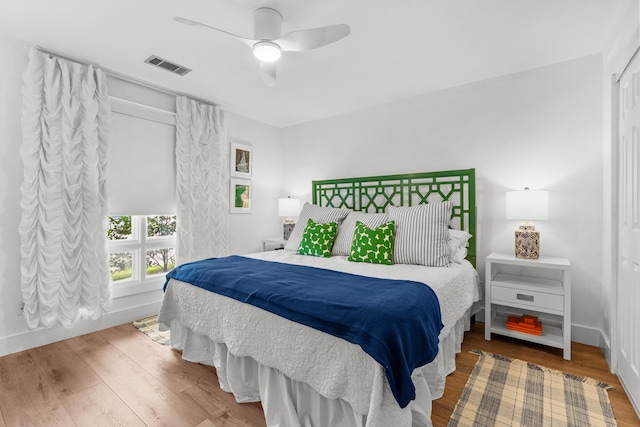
628	287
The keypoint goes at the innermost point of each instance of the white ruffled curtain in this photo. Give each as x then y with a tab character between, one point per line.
202	181
65	127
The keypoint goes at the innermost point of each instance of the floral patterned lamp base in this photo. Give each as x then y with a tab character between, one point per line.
287	228
527	242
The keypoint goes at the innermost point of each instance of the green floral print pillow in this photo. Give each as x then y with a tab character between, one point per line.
317	239
374	246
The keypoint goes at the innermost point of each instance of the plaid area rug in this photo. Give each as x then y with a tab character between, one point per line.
149	326
510	392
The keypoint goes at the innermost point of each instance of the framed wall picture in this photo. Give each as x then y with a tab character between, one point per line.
240	196
241	157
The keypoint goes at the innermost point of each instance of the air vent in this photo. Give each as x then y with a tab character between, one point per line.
167	65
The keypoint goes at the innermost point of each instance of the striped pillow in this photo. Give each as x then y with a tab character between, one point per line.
422	234
342	245
318	214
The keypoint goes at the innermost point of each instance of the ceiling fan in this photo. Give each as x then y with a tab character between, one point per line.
268	43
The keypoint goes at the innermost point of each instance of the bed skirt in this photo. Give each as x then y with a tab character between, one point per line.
291	403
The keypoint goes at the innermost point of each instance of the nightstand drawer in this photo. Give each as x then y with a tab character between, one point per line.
527	297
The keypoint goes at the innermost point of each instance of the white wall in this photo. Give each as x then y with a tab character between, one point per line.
246	230
541	128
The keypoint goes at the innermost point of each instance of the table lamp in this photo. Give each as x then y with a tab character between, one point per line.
288	208
527	205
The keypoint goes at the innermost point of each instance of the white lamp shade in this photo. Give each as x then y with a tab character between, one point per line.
528	205
288	207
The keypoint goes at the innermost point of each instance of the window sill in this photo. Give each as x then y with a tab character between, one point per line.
133	288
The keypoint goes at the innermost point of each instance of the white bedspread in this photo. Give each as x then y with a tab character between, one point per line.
333	367
457	286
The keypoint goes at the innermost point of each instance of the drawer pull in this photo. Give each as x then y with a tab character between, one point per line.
523	297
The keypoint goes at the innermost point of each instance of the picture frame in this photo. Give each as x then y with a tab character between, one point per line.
240	196
241	160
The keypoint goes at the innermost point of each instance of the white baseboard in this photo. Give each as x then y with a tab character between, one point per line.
605	346
585	335
38	337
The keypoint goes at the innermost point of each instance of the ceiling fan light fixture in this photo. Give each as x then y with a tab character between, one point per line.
266	51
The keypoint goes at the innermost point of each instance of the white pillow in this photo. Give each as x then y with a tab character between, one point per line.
320	215
422	234
342	245
458	241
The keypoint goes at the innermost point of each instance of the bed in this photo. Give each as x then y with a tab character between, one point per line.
307	375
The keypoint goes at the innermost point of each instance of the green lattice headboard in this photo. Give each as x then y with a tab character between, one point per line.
374	193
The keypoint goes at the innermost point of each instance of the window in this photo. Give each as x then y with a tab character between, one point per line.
141	177
141	251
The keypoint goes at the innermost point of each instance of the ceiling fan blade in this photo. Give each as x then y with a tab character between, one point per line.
248	42
268	73
298	41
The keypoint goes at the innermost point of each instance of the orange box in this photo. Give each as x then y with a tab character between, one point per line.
527	324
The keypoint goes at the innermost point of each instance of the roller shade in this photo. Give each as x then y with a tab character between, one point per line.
141	172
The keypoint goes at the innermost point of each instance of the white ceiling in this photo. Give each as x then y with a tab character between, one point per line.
396	49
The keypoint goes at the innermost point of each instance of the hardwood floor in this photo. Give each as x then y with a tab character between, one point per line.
119	377
115	377
585	360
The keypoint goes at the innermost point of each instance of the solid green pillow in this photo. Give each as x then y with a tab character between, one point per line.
317	239
374	246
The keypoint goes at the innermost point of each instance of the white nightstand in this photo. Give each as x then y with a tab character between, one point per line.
539	287
279	242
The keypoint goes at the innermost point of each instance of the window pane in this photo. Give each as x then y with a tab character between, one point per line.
120	265
160	261
119	227
161	225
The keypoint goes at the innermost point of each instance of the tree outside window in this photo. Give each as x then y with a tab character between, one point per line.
129	247
119	227
161	260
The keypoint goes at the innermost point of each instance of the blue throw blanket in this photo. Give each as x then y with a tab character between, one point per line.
397	322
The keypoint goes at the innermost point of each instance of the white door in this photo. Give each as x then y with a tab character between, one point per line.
628	288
